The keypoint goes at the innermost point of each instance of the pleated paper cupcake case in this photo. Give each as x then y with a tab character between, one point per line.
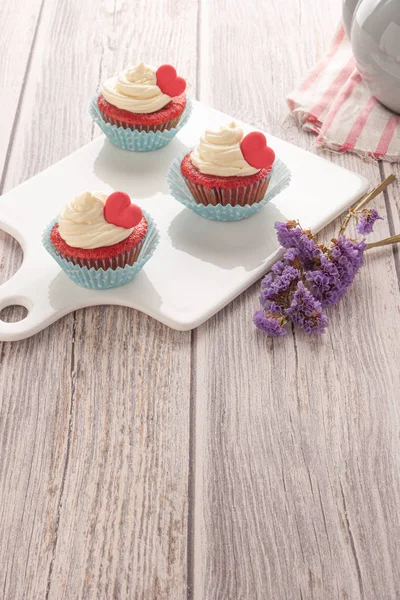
134	140
279	180
100	279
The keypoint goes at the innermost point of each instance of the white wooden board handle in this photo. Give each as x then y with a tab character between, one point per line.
25	287
10	295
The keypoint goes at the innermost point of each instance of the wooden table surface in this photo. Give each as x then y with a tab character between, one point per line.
141	462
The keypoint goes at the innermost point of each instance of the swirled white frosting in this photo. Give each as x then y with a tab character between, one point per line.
136	90
81	223
219	153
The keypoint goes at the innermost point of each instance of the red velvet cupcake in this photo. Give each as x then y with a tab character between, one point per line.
143	98
100	232
227	168
165	118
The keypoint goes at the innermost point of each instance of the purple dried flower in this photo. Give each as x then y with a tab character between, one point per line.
308	279
306	311
367	220
274	307
293	237
308	249
288	233
325	282
291	255
278	267
336	271
345	259
270	324
266	282
280	287
348	254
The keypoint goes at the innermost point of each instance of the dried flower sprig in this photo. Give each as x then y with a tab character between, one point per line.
364	200
312	276
366	220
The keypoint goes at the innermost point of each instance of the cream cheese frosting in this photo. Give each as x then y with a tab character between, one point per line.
136	90
219	153
81	223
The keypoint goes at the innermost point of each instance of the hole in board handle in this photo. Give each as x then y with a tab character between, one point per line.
13	313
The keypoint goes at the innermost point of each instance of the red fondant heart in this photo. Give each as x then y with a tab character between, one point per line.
168	81
119	211
255	150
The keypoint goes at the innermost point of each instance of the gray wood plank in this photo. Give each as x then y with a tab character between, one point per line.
94	410
31	430
123	514
296	464
19	21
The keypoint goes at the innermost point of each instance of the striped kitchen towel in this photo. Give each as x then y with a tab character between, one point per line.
335	103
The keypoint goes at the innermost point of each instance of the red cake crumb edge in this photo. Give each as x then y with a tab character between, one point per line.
193	174
170	112
103	252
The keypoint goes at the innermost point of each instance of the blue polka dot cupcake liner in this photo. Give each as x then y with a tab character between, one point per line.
279	180
102	279
134	140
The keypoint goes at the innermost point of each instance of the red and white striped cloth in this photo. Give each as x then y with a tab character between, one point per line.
335	103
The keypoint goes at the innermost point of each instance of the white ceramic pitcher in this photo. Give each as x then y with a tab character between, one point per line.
373	27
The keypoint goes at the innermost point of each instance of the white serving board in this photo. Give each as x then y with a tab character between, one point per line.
199	265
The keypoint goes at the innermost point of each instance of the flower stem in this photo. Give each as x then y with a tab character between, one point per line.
364	200
394	239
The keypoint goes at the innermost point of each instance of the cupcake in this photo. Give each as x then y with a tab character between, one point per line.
101	240
227	168
142	108
143	98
